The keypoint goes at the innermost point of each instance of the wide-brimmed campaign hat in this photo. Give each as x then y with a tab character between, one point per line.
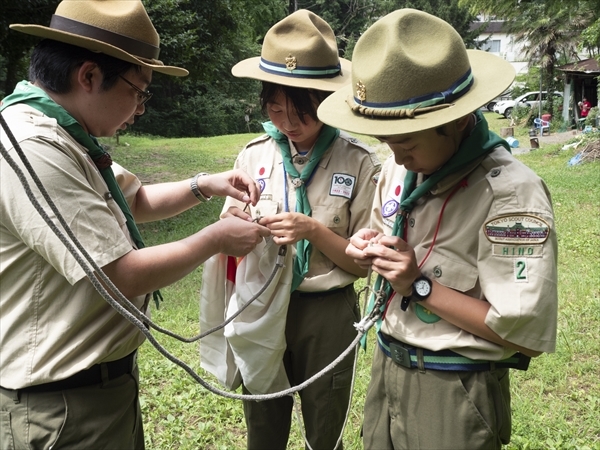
298	51
410	72
118	28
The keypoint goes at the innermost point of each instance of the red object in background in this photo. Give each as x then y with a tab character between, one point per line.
547	117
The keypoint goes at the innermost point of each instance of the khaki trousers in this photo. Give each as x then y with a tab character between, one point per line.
102	416
318	330
435	409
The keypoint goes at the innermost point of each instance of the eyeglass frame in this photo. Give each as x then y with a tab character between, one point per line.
144	95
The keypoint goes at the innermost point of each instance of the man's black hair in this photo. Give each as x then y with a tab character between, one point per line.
304	101
53	62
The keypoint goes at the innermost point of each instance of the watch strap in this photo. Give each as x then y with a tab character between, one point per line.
196	190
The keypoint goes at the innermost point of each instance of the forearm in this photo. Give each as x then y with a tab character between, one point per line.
161	201
334	247
145	270
467	313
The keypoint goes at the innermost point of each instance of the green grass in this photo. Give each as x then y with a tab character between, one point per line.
556	403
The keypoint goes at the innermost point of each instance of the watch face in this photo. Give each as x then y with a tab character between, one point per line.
422	288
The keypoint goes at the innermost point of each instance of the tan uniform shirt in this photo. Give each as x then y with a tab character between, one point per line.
53	323
339	194
496	242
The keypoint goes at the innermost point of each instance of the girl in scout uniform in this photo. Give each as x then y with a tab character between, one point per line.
462	237
316	184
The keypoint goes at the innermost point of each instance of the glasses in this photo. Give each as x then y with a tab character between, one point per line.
143	96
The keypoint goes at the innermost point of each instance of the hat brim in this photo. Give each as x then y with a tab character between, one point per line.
492	76
97	46
249	68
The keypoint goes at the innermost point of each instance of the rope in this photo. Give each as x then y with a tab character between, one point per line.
130	312
394	113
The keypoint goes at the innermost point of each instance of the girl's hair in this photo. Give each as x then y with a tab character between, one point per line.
53	62
304	101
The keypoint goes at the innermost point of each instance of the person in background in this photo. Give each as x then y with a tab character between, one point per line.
584	107
68	371
462	238
316	185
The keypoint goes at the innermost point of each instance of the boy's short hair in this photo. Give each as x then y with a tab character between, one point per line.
52	64
304	101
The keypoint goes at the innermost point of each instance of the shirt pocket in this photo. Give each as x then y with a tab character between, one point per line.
336	218
264	208
451	272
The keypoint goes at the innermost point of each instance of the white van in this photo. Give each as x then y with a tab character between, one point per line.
528	100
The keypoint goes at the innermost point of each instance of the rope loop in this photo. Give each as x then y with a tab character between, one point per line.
392	113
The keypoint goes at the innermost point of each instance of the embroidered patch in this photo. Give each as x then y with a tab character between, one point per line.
388	223
425	315
398	192
262	184
389	208
517	229
521	271
263	170
518	251
342	185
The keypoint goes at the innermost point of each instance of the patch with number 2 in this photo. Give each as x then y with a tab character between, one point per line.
521	271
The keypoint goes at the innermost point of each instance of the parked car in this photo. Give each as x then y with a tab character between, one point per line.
504	96
528	100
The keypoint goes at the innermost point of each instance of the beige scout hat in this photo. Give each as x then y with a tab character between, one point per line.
298	51
118	28
412	72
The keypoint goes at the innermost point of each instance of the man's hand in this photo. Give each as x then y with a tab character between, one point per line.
234	183
238	237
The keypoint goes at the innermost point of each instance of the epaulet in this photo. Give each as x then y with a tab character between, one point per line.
258	140
354	141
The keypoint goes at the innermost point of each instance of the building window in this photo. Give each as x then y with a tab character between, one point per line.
492	46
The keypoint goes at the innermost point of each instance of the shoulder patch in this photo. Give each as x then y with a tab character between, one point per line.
517	229
258	140
354	141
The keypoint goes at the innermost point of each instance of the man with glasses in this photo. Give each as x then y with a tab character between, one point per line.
143	96
68	374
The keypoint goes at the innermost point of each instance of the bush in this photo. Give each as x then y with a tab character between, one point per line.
592	116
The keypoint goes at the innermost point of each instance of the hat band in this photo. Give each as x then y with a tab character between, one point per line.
299	71
457	90
125	43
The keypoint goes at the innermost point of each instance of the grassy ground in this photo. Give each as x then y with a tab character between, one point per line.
556	403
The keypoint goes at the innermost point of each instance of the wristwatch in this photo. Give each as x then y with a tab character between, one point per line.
421	289
196	191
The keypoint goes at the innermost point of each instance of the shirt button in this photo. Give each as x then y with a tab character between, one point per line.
437	271
411	222
336	220
495	172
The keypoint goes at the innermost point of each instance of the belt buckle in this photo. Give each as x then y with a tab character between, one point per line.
400	355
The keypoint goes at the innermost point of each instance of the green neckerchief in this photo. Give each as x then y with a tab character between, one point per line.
480	142
35	97
326	137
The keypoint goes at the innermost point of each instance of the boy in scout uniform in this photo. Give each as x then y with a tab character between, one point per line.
316	185
462	239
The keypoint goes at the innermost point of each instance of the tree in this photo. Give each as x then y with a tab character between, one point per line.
14	46
550	30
